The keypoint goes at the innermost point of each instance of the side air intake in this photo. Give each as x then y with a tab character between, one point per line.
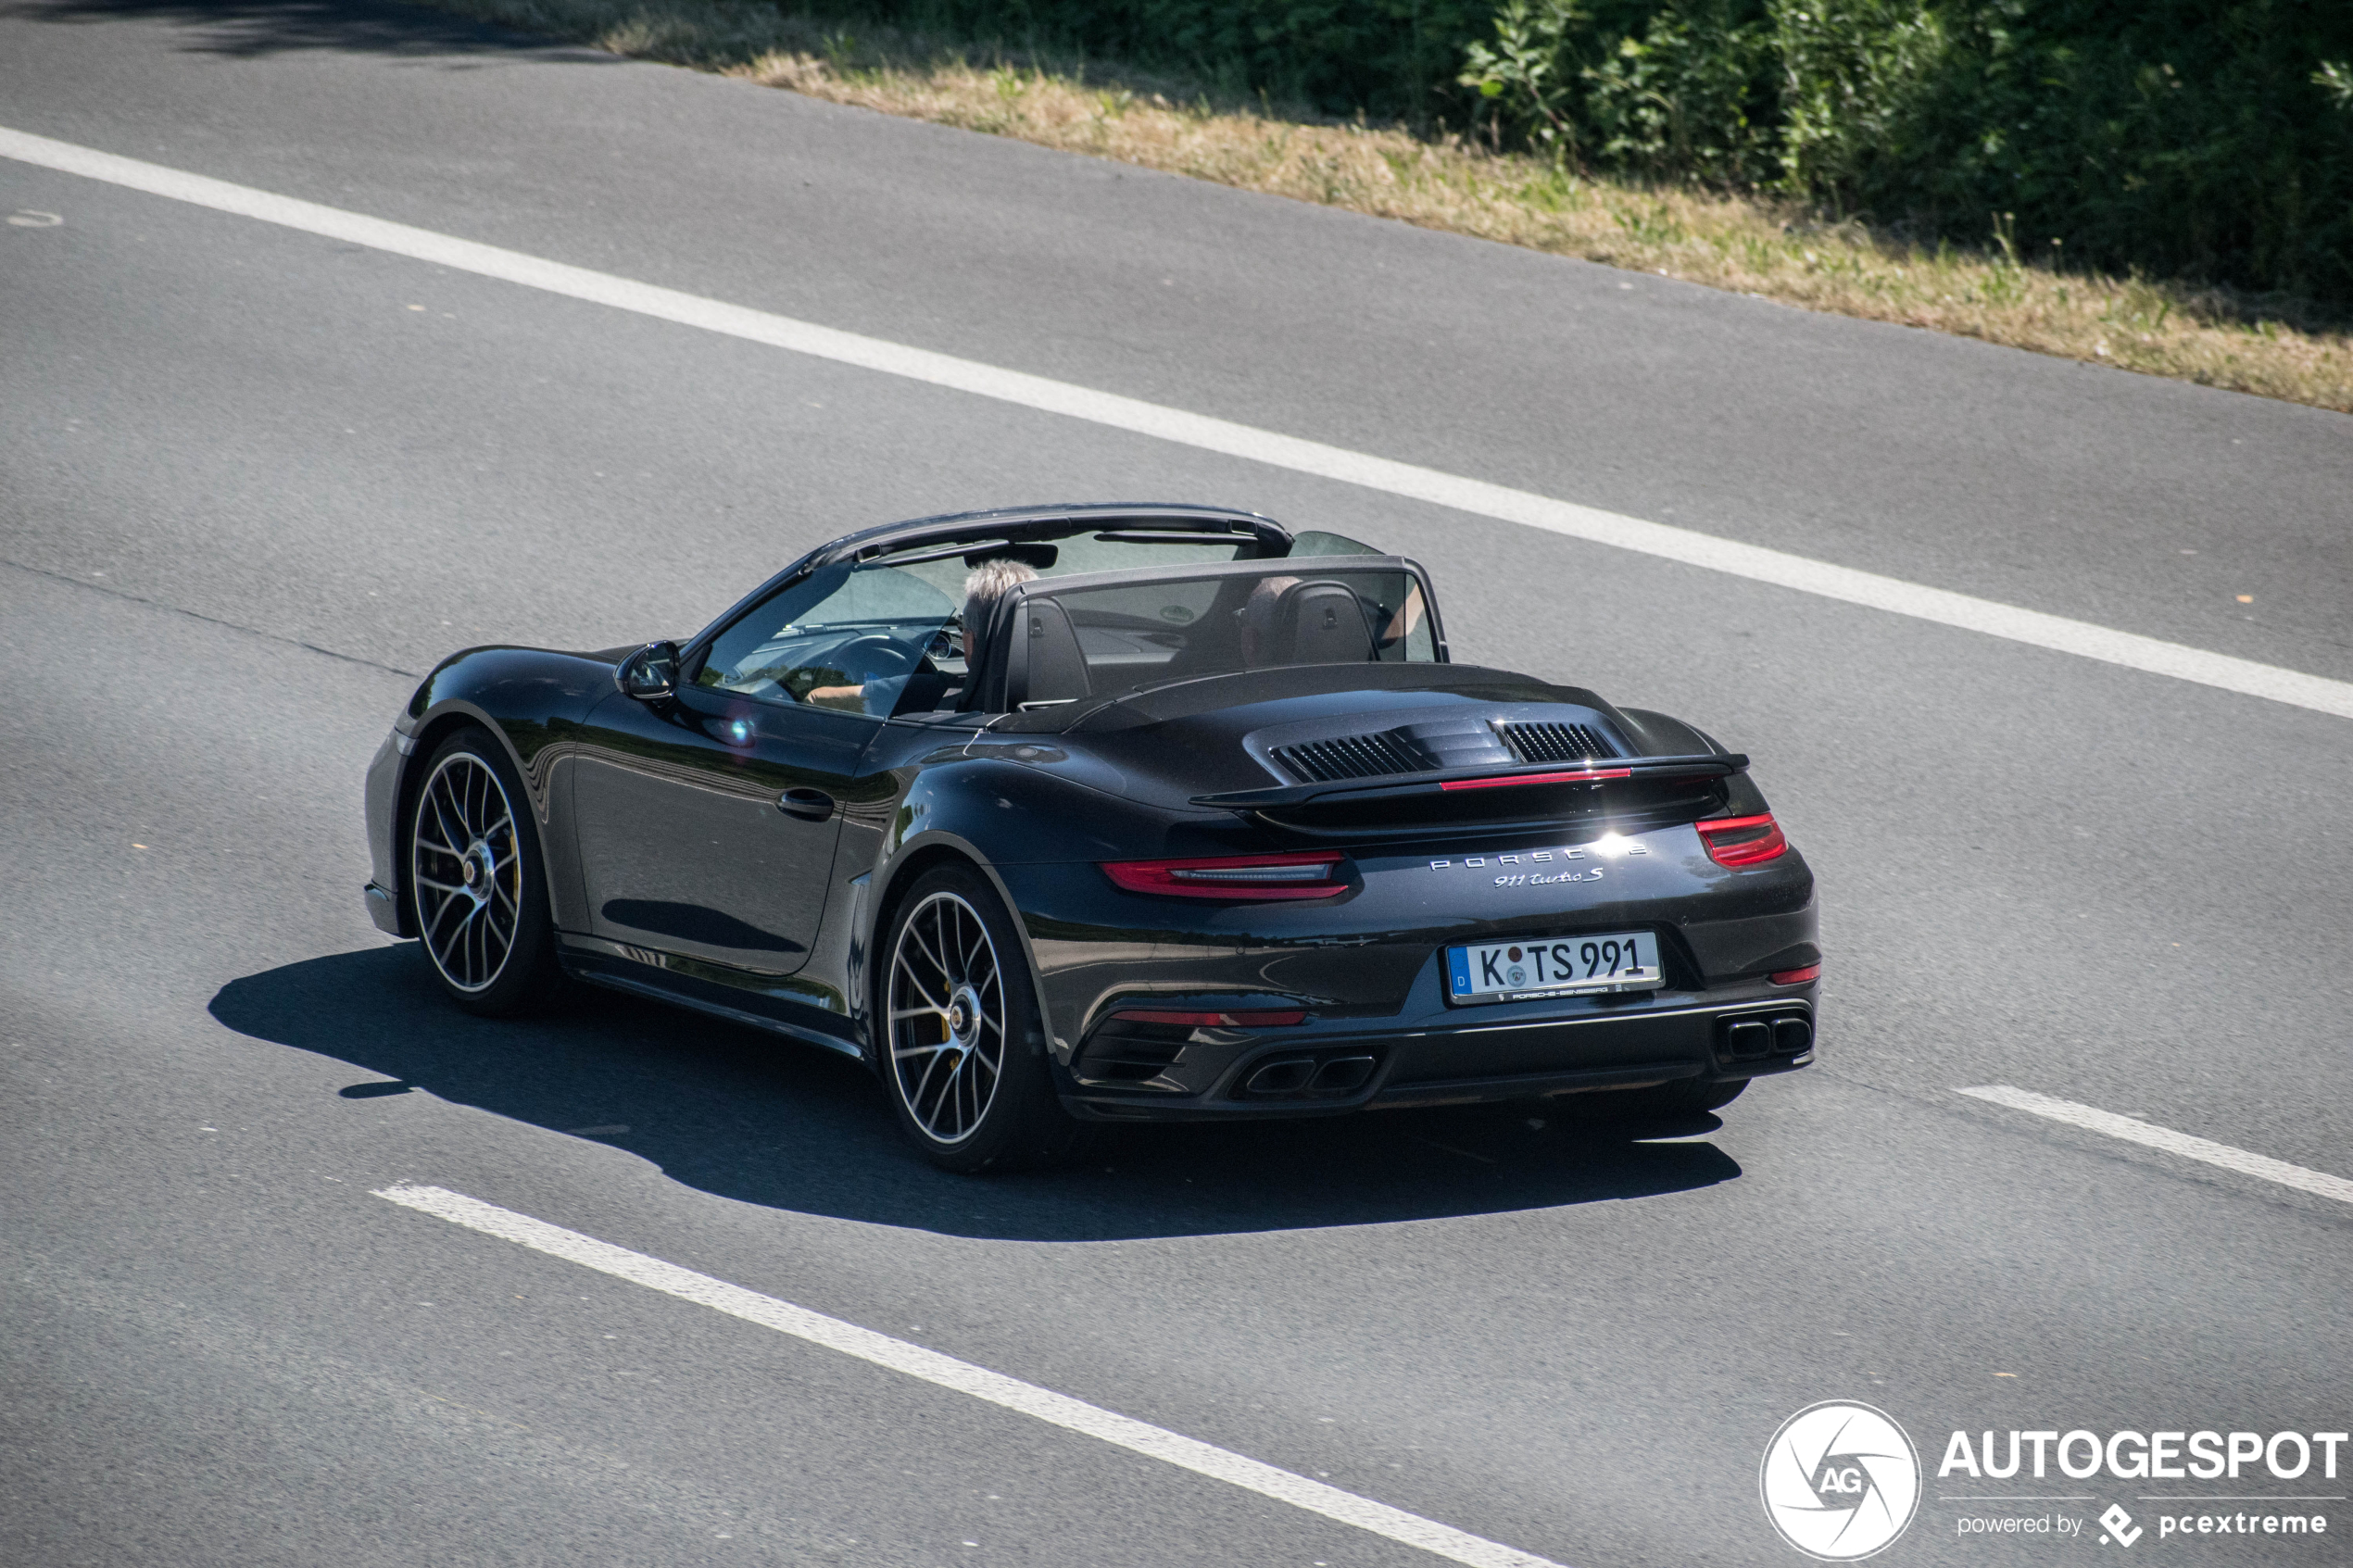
1351	756
1549	741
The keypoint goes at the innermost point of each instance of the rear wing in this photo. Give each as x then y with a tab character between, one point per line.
1459	782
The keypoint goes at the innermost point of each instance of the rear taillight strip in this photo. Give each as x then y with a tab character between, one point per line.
1237	877
1743	841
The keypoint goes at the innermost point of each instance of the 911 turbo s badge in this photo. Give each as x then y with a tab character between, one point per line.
1533	880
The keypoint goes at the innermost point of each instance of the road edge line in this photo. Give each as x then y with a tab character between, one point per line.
2148	1135
964	1378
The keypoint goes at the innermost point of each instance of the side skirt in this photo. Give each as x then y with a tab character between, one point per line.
645	973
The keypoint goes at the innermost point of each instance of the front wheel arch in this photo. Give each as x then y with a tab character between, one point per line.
528	974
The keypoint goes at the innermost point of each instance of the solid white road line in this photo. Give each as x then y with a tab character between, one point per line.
1060	1409
1776	567
2131	1129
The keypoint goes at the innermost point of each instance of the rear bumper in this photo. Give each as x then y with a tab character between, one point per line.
1454	1058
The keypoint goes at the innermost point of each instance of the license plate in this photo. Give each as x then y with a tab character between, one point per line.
1562	966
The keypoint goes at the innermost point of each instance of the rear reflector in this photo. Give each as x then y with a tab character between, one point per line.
1234	876
1509	779
1743	841
1797	976
1212	1020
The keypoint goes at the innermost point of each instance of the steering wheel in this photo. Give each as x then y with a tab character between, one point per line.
876	655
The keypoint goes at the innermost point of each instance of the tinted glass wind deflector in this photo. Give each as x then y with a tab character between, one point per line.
1125	631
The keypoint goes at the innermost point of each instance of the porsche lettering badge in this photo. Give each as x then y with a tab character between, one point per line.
1529	858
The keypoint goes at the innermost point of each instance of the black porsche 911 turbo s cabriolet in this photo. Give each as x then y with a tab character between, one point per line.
1102	813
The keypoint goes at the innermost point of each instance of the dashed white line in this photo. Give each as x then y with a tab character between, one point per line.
996	1389
2148	1135
1414	483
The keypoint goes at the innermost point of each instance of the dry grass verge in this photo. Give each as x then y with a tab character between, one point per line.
2271	347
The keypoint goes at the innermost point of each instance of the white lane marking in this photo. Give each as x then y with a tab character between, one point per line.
1060	1409
1410	481
2131	1129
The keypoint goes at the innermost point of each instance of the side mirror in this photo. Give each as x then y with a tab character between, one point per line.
651	673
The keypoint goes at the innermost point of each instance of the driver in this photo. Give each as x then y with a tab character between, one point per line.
884	695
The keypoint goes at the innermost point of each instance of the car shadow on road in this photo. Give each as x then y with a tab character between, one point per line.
761	1119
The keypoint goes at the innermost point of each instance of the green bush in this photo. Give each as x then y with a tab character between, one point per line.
1392	59
2196	138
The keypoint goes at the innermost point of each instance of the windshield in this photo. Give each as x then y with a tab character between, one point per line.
856	640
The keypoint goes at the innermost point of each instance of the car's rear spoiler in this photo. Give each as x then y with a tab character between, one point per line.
1447	781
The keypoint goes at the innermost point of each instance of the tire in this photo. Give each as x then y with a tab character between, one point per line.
478	881
963	1054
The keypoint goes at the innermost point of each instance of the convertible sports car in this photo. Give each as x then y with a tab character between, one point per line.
1106	813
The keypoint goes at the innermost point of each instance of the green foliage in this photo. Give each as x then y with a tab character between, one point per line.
2181	136
2335	77
1388	59
1529	72
2196	138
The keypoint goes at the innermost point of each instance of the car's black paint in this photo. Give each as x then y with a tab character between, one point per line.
741	856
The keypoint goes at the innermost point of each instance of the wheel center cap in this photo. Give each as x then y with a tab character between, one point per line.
963	1016
479	870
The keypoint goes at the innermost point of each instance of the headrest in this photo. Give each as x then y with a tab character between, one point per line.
1325	623
1043	662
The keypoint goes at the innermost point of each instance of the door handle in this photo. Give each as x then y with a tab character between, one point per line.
809	804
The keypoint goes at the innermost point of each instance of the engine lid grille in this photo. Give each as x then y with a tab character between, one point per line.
1326	752
1352	756
1546	740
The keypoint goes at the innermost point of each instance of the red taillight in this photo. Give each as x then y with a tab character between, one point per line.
1743	841
1510	779
1212	1020
1797	976
1234	876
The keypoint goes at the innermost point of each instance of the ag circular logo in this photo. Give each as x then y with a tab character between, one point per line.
1840	1481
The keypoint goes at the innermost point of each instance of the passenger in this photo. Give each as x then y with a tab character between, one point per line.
1261	635
1257	616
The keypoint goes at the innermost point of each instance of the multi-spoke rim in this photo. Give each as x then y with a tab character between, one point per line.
467	871
947	999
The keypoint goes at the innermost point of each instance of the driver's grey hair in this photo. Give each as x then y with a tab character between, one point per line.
986	583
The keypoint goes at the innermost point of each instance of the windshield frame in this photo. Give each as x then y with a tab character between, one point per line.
1268	539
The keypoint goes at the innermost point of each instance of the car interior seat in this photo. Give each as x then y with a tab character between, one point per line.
1043	660
1326	624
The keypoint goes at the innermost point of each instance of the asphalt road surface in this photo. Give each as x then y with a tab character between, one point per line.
252	482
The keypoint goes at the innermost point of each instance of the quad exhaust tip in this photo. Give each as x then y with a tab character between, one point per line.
1307	1075
1753	1039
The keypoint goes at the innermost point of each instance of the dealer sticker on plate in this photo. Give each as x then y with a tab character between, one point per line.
1565	966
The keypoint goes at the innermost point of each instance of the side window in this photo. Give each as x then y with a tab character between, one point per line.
857	641
1317	543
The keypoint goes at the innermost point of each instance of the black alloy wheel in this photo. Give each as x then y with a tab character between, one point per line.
963	1054
476	879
